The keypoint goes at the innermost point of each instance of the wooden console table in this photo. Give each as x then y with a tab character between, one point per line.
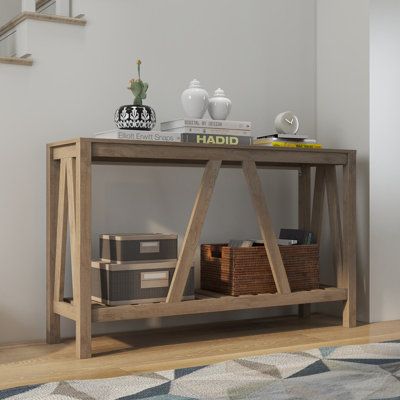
69	203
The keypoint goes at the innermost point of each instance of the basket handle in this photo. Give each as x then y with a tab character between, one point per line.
215	254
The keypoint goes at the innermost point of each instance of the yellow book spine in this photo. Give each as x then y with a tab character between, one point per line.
293	145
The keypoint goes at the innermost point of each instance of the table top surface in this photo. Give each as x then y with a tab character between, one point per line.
193	145
127	151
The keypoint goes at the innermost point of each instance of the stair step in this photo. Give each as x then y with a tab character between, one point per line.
40	17
16	61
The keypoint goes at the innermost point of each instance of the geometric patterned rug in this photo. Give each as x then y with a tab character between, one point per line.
370	371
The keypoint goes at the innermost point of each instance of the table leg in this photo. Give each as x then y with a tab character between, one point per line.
82	253
348	276
52	319
334	219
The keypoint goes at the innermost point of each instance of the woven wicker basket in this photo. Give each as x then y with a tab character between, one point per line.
239	271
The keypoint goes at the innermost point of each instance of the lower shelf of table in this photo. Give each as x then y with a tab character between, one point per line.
206	302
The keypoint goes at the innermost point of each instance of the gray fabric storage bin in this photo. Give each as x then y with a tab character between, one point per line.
135	283
122	248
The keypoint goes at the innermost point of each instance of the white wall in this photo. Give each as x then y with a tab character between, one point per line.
385	171
262	52
343	111
9	9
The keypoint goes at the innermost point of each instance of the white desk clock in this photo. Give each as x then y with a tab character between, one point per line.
286	123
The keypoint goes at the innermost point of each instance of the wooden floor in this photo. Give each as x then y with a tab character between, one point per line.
124	354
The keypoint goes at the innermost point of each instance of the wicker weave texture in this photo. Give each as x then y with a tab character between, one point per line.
240	271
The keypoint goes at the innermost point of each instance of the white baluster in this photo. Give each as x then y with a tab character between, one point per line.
8	45
12	45
63	8
77	9
28	5
22	40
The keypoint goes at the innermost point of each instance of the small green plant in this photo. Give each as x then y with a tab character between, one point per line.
138	87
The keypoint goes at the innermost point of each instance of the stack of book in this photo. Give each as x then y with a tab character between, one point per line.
286	140
200	131
209	131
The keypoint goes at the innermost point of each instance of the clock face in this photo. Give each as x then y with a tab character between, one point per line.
286	123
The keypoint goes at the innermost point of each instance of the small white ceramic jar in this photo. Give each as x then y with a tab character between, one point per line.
195	100
219	106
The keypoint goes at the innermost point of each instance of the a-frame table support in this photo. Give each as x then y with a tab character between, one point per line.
196	222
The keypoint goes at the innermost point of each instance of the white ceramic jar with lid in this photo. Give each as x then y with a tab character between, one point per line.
219	106
195	100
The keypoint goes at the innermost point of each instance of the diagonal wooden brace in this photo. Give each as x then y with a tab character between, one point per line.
61	238
304	198
193	231
71	190
267	232
304	216
318	203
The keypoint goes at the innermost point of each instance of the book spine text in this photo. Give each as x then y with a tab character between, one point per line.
216	139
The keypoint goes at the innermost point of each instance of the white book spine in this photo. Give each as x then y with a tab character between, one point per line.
294	137
205	123
209	131
155	136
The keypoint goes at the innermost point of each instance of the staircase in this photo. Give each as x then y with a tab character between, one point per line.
14	34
